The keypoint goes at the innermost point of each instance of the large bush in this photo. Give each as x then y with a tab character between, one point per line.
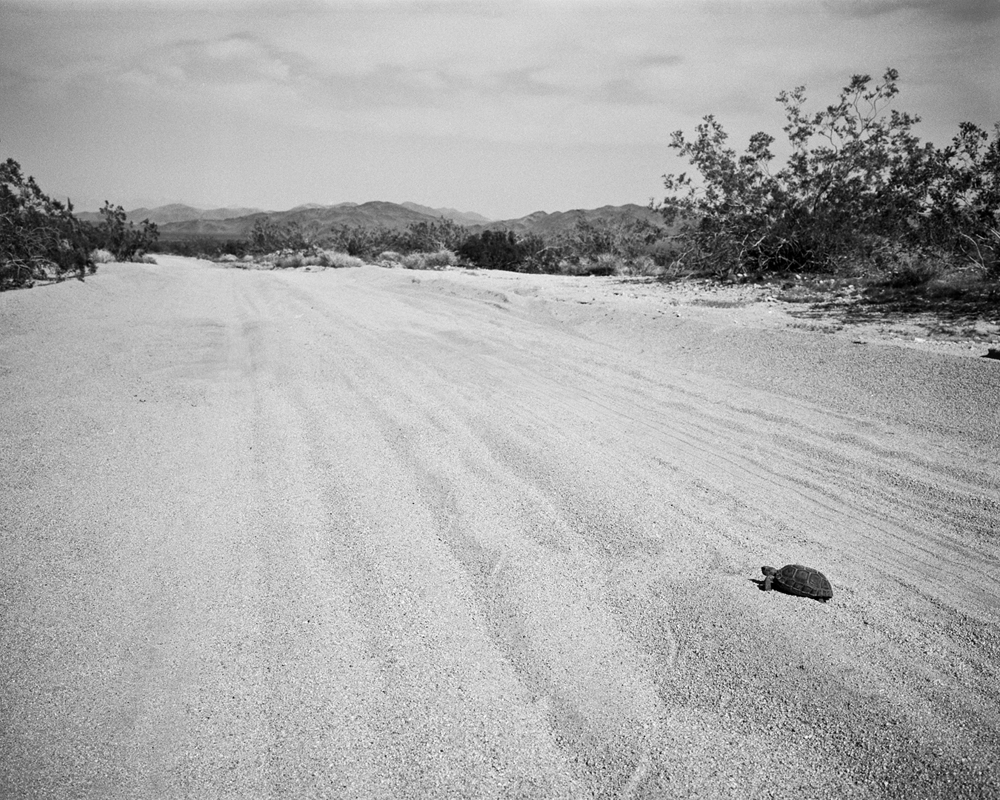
267	236
964	197
39	237
504	250
627	238
431	237
858	191
123	239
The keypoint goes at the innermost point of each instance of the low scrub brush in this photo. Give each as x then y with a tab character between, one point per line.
341	260
415	261
101	256
390	259
436	260
440	258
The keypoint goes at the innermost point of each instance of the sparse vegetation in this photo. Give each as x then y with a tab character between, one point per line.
123	239
288	261
331	258
268	237
626	247
292	259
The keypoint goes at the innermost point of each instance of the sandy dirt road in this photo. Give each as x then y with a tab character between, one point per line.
382	534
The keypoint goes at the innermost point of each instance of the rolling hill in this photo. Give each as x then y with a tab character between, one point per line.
461	217
373	214
175	212
179	222
542	223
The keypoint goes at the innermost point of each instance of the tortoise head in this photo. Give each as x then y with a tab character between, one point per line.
768	570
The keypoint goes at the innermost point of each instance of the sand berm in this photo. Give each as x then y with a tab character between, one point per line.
375	533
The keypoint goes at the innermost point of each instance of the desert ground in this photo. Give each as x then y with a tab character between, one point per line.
375	533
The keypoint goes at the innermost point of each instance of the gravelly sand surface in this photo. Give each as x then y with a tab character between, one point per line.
383	534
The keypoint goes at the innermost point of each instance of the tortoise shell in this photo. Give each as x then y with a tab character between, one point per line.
798	580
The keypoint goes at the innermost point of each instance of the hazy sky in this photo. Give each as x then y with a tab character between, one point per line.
498	107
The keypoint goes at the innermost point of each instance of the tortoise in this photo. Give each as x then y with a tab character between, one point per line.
799	580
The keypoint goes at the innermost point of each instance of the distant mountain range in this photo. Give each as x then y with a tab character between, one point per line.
547	224
175	212
178	222
461	217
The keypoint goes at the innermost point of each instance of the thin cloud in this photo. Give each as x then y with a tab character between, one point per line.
958	11
226	61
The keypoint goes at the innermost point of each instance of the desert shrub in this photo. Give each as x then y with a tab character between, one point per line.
415	261
360	241
436	260
859	191
626	238
288	260
101	256
441	258
39	237
125	240
341	260
267	236
505	250
234	247
963	211
421	237
389	258
491	250
539	254
429	237
147	258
